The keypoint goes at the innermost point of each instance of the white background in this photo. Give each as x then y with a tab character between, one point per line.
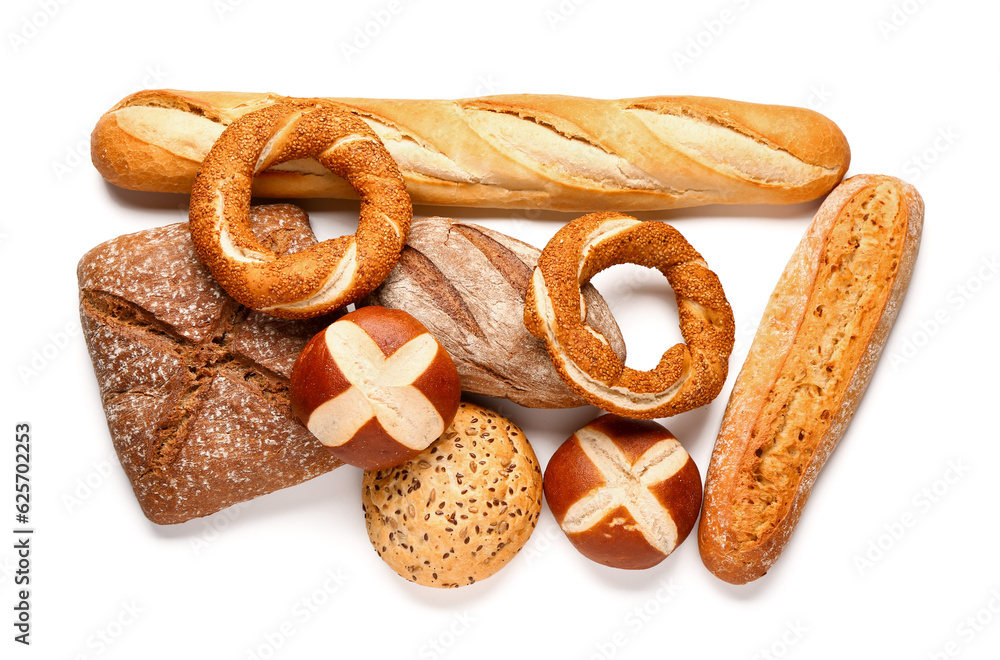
912	85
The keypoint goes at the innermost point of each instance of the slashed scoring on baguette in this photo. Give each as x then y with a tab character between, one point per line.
513	151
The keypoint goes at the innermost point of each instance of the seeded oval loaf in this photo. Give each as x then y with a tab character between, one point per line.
195	386
810	362
460	510
467	284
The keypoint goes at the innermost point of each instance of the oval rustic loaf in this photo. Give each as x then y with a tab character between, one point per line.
467	285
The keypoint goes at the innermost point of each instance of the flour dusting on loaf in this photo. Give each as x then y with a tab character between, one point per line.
194	386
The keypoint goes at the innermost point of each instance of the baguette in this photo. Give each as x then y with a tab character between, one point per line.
810	362
515	151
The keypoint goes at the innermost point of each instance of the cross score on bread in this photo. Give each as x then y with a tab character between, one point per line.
195	386
624	491
375	387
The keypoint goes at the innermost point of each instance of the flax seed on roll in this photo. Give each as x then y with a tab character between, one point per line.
624	491
460	510
375	387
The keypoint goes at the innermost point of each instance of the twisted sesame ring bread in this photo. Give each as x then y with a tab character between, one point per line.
688	375
327	275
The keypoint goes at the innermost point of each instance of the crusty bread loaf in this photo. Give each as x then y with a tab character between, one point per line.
195	386
467	284
514	151
810	362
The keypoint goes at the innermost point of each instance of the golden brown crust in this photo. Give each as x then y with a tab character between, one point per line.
809	365
375	387
513	151
688	375
323	277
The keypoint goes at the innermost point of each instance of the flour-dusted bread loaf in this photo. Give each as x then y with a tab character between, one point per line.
511	151
810	362
195	386
466	284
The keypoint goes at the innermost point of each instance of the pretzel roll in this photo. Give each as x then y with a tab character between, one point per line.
624	491
325	276
375	387
688	375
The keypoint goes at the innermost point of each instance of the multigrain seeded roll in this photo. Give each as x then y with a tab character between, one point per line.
460	510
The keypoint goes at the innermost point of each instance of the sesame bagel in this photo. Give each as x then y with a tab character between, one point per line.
328	275
461	509
688	375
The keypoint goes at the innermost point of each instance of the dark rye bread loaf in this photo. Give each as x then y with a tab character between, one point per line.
194	385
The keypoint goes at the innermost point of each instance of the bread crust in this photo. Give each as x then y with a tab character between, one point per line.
375	387
512	151
322	277
460	510
195	386
758	480
636	521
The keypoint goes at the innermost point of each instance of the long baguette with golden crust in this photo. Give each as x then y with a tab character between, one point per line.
810	362
513	151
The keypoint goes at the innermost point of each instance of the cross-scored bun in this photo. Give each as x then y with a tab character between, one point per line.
375	387
460	510
624	491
